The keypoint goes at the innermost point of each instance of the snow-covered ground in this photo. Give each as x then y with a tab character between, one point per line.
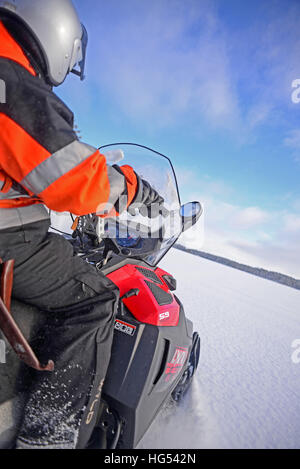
246	393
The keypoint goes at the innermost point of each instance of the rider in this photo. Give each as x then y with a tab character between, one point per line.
42	163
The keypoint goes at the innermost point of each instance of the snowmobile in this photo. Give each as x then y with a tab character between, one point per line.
155	350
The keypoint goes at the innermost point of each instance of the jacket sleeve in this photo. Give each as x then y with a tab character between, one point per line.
40	151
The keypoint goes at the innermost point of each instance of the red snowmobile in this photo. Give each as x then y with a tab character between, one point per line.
155	351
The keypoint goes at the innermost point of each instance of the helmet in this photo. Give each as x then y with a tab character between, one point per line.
56	35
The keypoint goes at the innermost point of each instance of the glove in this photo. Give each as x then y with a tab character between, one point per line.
147	200
142	196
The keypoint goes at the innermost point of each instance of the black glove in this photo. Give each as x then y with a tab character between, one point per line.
147	200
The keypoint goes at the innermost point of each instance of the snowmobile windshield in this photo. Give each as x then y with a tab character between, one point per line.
134	235
147	238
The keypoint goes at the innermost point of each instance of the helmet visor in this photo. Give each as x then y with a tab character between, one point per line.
84	42
81	63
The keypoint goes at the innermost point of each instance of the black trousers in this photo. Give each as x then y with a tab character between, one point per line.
81	304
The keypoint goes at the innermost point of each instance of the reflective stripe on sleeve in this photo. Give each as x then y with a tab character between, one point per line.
14	217
56	166
117	185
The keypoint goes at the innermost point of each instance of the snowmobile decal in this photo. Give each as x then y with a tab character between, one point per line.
94	404
177	362
165	315
124	327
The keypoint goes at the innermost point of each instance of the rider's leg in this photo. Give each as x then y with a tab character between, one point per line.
80	304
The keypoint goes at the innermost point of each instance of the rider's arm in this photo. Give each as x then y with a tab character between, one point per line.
42	152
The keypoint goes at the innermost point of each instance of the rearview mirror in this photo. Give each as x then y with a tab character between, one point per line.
190	214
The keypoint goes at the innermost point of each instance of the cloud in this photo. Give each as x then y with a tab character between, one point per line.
230	218
292	140
258	114
169	62
279	252
192	184
250	217
246	234
279	257
291	224
165	59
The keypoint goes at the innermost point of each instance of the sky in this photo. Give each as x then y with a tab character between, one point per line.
215	85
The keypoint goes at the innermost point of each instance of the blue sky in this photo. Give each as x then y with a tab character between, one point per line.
209	83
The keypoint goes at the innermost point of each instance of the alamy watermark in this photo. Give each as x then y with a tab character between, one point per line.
2	352
295	96
295	357
154	222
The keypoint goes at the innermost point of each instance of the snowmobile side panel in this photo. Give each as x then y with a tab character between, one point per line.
144	369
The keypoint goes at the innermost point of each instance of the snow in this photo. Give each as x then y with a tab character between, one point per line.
246	393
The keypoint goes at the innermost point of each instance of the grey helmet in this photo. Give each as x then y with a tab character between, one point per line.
56	28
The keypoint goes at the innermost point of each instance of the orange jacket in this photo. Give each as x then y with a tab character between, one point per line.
42	162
